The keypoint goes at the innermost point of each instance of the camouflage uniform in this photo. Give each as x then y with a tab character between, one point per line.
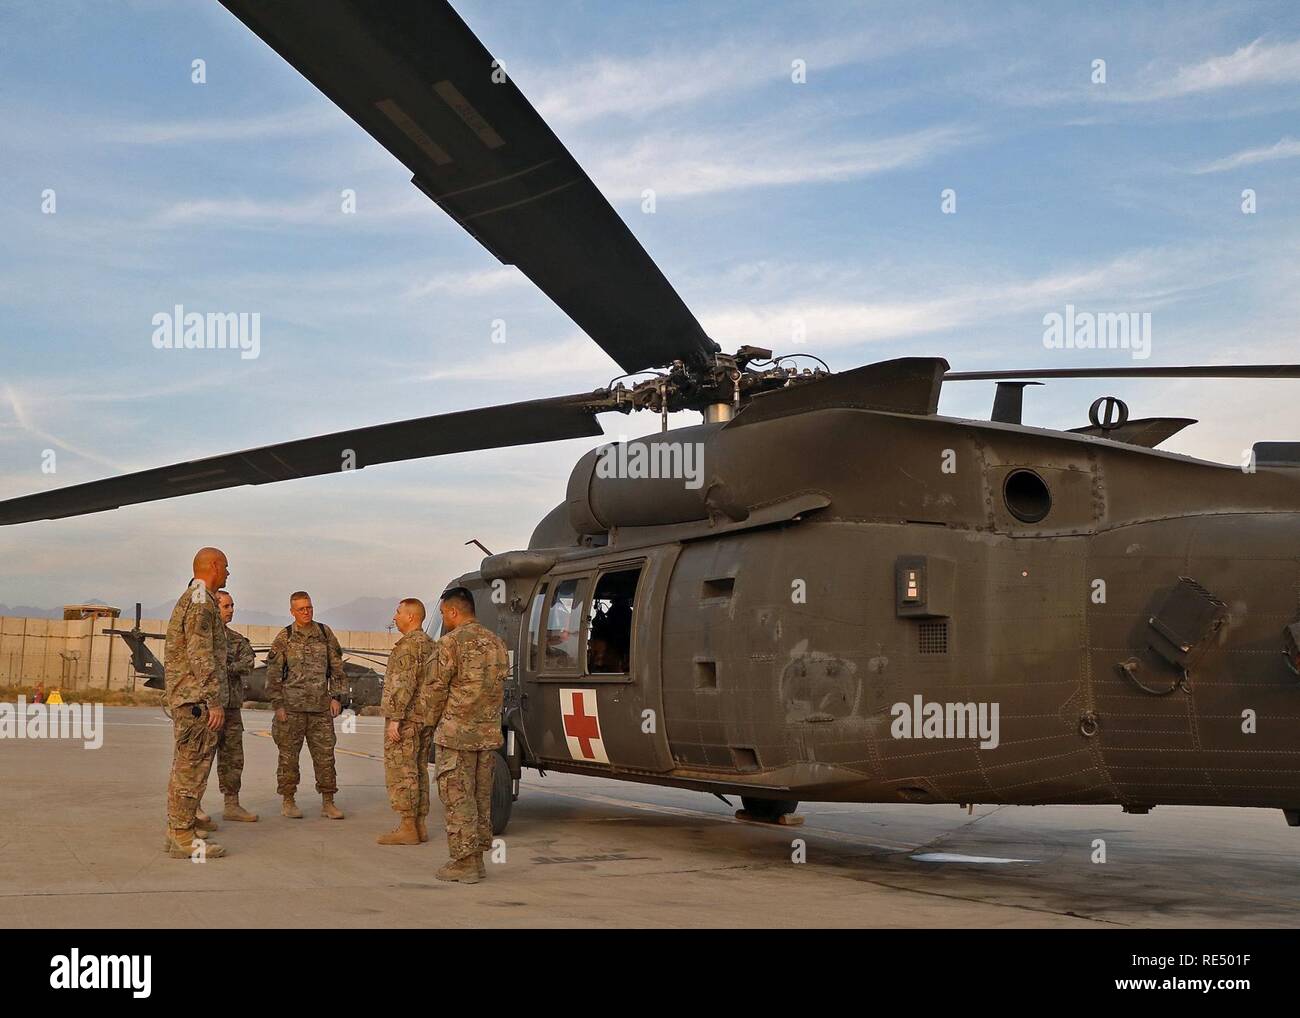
465	708
240	662
408	683
196	681
304	671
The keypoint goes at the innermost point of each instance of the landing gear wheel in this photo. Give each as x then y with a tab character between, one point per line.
769	811
502	793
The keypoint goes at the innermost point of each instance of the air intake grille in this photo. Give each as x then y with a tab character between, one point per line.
932	637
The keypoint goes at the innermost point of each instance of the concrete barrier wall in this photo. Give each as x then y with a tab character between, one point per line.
79	654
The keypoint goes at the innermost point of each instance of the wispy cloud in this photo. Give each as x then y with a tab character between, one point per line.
575	355
320	208
467	284
25	422
688	165
1144	279
305	120
645	84
1258	63
1286	148
829	317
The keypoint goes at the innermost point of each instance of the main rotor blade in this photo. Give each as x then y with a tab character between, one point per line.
416	78
542	420
1185	371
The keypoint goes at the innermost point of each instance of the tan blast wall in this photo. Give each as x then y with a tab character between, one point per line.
68	655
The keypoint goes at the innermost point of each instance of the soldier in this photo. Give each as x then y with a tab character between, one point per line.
305	681
465	708
408	689
196	695
240	662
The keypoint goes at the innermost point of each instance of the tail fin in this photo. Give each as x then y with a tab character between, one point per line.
143	660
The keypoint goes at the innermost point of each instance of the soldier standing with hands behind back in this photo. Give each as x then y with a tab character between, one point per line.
465	708
196	695
408	686
305	681
240	662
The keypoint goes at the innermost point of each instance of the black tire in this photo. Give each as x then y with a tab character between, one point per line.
503	797
768	809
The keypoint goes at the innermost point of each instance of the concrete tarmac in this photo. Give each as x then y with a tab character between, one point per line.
81	832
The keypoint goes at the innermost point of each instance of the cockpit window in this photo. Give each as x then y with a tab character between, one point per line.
535	625
563	626
609	638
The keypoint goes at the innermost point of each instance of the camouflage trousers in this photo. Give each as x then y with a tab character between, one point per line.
317	729
406	768
465	788
195	745
230	753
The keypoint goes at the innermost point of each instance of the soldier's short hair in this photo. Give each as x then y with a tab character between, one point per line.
227	593
299	595
415	605
461	596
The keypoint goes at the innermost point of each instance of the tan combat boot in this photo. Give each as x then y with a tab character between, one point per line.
482	869
327	808
199	832
234	811
405	833
463	871
422	828
204	822
290	809
183	844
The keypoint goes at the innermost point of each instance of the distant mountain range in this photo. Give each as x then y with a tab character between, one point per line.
365	613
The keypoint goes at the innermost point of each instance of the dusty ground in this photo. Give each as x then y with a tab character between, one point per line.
80	838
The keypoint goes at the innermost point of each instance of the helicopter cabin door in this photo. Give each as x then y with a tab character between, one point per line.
589	662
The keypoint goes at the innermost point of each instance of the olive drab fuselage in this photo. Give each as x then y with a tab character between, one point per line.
776	634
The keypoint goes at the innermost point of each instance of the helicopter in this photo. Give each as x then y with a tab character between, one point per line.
825	591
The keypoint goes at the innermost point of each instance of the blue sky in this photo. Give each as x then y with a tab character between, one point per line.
777	202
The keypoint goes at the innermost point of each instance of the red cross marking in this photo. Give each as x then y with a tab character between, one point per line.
582	726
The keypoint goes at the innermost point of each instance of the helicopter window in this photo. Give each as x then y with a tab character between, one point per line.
563	625
535	625
609	637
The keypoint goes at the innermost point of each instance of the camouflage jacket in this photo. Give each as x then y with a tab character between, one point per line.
469	685
240	662
297	667
408	680
196	651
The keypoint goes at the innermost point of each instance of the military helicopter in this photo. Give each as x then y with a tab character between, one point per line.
825	589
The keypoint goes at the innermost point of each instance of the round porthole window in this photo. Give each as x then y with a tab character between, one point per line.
1026	496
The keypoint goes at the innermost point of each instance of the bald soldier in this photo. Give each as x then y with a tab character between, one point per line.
408	689
305	681
465	710
195	696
